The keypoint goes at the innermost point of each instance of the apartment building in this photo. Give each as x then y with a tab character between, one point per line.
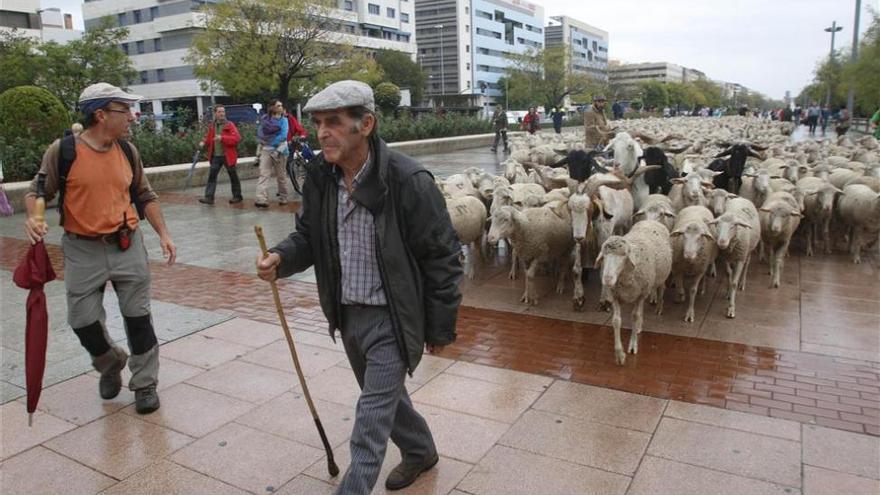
161	32
463	44
586	45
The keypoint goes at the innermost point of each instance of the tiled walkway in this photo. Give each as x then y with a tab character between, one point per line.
783	399
233	420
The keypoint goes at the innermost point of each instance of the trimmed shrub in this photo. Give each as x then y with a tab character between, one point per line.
20	158
32	112
387	96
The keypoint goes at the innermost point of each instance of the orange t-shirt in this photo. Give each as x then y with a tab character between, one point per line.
96	197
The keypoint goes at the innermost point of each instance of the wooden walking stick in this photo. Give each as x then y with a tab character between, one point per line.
332	468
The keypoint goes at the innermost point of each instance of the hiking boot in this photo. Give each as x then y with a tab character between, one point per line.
237	199
206	201
261	205
404	475
111	382
146	400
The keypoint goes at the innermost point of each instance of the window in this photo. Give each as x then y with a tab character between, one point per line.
144	78
124	47
140	47
467	48
373	8
154	12
595	47
404	17
120	19
390	12
349	5
157	45
160	75
468	67
137	16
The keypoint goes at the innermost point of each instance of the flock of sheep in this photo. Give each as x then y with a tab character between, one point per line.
666	201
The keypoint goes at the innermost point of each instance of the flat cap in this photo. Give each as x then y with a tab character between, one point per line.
342	94
599	98
107	91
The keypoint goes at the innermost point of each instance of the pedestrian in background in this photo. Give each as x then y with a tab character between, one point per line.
499	124
557	116
374	225
825	117
813	113
272	135
222	141
841	126
596	127
531	122
875	123
617	110
100	202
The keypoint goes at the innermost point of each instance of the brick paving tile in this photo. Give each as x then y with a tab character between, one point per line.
810	388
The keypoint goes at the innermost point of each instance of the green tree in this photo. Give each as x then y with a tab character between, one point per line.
544	77
21	60
66	69
654	94
862	75
256	48
402	71
707	93
96	57
29	111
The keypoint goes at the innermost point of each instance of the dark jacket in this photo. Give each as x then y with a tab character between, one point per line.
417	247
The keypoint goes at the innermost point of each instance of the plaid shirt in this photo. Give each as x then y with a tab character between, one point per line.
361	281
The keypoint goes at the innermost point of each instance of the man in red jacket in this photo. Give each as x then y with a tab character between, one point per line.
294	128
222	141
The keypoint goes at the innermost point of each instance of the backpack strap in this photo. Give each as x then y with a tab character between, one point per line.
66	157
132	190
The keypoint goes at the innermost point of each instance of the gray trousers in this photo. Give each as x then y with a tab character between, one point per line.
384	408
88	265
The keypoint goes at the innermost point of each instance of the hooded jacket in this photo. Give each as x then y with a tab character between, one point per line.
417	248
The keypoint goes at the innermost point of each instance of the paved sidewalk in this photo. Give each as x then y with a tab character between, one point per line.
233	420
783	399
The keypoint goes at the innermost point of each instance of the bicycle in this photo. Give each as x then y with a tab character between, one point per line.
300	155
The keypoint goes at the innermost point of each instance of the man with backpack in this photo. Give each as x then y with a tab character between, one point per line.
103	192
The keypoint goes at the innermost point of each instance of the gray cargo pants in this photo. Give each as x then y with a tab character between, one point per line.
88	266
384	408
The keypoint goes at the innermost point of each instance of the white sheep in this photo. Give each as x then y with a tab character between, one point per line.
693	252
859	208
657	207
688	191
468	215
634	267
536	234
737	233
819	198
756	186
780	217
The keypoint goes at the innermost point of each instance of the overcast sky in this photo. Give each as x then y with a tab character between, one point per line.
767	45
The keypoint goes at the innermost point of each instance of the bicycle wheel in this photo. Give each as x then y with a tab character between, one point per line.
297	173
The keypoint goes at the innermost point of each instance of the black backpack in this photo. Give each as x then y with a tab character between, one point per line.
68	155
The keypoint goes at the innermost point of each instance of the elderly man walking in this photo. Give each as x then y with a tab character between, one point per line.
102	191
374	225
595	124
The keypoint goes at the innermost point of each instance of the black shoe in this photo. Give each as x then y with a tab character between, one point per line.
404	475
146	400
492	149
111	382
237	199
261	205
206	201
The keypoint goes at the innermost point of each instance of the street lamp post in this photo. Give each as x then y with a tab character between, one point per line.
439	28
850	96
833	29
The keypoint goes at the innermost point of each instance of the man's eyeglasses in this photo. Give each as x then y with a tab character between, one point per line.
117	110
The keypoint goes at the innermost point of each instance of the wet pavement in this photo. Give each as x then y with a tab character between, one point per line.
783	399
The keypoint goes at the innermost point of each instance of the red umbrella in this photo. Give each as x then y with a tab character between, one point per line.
34	271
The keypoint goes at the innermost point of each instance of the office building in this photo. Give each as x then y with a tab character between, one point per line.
586	45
